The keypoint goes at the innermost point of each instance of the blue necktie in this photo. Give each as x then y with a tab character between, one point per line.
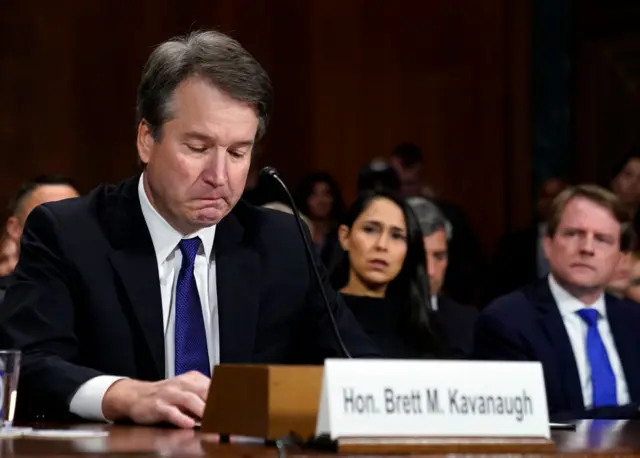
191	338
603	380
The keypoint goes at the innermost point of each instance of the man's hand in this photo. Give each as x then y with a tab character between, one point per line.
179	400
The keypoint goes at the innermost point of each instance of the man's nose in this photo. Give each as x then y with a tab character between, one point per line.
587	244
216	172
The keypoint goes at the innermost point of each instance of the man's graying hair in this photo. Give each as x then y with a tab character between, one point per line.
216	58
430	217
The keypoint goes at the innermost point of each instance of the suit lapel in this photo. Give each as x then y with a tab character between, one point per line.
134	262
238	287
626	346
553	326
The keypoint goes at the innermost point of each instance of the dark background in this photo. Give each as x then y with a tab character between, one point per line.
352	79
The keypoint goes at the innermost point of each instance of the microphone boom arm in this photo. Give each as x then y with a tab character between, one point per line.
270	171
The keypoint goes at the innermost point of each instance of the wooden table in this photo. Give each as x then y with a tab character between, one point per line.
599	437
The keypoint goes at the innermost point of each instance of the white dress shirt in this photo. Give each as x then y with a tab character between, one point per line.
577	331
87	402
434	303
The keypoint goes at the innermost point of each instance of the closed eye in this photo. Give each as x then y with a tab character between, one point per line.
237	154
197	149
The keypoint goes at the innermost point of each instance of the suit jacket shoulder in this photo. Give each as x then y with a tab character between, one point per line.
510	307
266	223
456	322
504	329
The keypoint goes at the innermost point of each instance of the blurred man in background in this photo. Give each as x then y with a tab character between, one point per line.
455	321
464	280
520	258
45	188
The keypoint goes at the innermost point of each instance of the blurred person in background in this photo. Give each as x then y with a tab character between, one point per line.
626	280
407	160
455	321
8	257
626	185
633	288
621	276
382	276
44	188
465	278
520	258
8	261
377	175
318	196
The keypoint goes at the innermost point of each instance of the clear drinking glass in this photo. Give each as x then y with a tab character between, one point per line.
9	374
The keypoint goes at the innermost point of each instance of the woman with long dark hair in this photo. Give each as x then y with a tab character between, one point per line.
318	196
381	274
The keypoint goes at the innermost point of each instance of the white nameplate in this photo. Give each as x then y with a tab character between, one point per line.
411	398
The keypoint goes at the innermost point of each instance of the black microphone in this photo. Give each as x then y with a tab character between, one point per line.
273	173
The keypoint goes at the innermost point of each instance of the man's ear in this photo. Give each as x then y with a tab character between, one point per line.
343	237
14	228
145	142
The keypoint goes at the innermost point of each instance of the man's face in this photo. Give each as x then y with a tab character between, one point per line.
410	177
196	171
436	248
585	250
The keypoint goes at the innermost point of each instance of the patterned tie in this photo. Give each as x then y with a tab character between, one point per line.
603	380
191	339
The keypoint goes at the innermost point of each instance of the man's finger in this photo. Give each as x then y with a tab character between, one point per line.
187	402
172	414
195	382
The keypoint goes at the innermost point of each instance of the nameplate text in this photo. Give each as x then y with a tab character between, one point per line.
402	398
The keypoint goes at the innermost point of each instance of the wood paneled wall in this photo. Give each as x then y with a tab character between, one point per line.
352	79
607	95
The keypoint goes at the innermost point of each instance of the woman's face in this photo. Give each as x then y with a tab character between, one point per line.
627	183
376	243
320	202
633	291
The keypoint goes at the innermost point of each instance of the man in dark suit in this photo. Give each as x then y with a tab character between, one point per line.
520	259
42	189
455	321
586	340
124	299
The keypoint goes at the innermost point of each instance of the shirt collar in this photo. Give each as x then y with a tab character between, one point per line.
164	237
569	305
